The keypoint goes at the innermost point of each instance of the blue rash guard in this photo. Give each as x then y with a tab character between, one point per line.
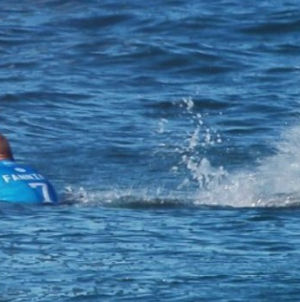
22	184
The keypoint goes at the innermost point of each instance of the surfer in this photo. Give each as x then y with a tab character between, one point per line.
20	183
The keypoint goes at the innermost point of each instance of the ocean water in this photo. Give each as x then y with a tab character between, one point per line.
171	130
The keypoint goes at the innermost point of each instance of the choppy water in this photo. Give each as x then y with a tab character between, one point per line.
171	131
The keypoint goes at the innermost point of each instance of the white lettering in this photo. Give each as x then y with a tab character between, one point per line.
15	177
38	176
44	190
6	178
25	177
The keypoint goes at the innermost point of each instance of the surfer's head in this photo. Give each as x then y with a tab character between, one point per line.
5	150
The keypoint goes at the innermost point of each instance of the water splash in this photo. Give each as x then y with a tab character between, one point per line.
273	182
195	165
161	125
73	195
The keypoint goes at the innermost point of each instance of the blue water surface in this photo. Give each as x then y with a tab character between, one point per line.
171	132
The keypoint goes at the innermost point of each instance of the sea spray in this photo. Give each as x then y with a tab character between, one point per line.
193	149
275	181
272	181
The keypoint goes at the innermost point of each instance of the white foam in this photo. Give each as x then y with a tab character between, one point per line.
275	181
